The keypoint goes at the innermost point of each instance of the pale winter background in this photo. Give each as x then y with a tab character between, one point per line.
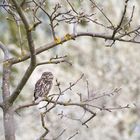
105	68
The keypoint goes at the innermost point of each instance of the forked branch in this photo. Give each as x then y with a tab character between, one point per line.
32	54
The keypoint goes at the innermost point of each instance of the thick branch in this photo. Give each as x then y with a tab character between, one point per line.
6	80
28	32
8	119
82	105
32	54
53	62
6	72
63	40
20	86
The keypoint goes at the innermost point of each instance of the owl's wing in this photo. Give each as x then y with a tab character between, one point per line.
39	88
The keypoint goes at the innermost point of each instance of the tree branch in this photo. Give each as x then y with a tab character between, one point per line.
32	54
82	105
44	126
1	105
102	13
6	72
63	40
56	138
121	20
53	62
25	106
71	137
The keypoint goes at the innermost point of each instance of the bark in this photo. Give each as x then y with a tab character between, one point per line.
8	114
9	127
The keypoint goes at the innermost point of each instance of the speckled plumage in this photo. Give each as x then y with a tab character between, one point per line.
43	85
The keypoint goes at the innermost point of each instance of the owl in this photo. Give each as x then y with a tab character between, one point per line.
43	86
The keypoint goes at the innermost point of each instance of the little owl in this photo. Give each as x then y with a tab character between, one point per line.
43	86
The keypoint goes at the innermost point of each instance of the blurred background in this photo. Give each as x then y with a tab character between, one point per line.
105	68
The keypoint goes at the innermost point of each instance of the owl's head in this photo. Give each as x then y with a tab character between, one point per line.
47	75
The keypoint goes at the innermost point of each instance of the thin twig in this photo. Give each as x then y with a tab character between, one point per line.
44	126
59	135
121	20
41	8
90	118
73	135
72	7
87	88
72	84
116	90
102	12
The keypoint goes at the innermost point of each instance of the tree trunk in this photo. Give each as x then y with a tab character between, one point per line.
9	125
8	113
